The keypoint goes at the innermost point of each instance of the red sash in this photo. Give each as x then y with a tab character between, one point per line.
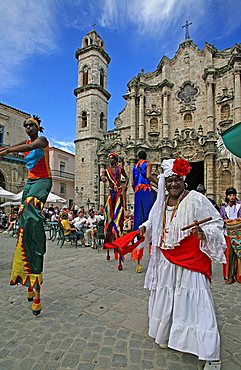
189	256
125	243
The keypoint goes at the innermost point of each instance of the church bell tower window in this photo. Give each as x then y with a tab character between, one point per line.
84	119
101	77
102	120
85	76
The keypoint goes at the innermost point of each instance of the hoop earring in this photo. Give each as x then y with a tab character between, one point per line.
185	185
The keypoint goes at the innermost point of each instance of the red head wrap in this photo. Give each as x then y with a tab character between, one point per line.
113	155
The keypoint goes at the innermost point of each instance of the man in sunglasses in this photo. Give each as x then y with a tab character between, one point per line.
31	244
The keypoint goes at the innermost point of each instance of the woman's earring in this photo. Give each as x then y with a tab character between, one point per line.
185	185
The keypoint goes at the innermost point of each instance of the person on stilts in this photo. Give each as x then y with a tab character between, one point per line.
144	197
31	244
114	208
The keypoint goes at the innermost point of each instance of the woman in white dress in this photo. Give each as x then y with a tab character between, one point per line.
181	310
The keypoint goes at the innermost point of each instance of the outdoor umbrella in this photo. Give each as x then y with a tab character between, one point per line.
7	204
230	141
52	198
6	194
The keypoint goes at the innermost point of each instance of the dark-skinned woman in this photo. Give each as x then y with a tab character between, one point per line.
181	310
31	244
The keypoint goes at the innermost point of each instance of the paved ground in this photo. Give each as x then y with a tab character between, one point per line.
95	317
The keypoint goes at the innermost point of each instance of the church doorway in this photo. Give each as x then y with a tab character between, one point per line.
196	176
2	180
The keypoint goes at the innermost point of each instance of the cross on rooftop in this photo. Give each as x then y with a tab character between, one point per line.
186	25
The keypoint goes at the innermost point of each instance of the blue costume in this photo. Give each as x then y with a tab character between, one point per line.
144	194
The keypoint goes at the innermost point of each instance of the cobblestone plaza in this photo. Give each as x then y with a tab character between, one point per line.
95	317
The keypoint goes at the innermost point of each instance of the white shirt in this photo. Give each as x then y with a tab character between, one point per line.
79	222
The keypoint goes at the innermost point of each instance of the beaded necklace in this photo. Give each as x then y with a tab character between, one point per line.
164	230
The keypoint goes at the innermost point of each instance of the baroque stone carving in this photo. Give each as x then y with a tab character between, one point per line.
187	93
225	96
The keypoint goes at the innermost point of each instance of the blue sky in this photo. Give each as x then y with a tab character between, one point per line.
38	69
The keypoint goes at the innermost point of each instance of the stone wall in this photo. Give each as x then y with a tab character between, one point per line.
13	173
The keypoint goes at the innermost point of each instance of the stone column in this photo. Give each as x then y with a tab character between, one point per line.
141	118
209	160
133	117
237	95
209	174
165	128
210	108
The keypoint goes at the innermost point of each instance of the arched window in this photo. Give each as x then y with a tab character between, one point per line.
154	125
84	119
85	75
225	112
2	180
102	120
102	77
188	120
1	134
86	42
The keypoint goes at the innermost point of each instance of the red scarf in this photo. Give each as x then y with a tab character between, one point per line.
189	256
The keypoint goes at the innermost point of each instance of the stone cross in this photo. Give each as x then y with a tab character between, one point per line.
187	36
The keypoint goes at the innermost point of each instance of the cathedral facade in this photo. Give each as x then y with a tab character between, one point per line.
176	110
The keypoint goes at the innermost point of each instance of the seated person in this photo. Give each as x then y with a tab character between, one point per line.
91	224
3	218
79	221
127	226
12	219
70	231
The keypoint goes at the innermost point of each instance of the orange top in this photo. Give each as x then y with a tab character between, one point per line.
37	161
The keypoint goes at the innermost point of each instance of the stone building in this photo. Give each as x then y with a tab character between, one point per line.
62	169
176	110
13	172
91	116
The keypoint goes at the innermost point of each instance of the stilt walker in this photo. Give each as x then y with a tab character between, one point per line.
144	197
31	244
114	208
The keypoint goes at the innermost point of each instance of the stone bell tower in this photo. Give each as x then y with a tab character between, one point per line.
91	116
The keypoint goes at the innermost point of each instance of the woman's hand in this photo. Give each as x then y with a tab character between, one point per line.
142	230
198	232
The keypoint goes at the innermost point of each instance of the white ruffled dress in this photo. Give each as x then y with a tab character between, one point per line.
181	310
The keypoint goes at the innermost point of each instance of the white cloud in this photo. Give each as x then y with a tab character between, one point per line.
68	145
27	29
150	16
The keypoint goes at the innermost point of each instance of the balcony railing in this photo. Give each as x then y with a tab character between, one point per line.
65	175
